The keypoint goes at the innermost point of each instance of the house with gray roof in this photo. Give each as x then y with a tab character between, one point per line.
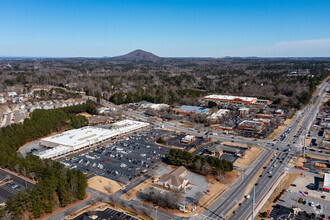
174	179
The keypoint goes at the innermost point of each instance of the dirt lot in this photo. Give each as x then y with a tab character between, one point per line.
289	120
276	132
99	182
308	141
235	144
216	188
136	190
249	156
299	163
284	184
186	125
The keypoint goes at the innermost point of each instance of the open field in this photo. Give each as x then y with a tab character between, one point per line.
99	183
249	156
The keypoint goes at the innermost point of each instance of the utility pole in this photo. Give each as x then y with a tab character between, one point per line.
304	143
156	211
253	199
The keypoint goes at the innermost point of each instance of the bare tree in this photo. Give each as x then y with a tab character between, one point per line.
198	164
32	175
91	212
108	187
16	168
228	177
93	200
115	199
206	168
24	173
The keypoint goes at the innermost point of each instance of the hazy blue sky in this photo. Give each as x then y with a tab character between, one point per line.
167	28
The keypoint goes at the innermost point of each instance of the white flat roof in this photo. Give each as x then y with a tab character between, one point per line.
54	152
326	183
78	136
230	97
219	113
92	134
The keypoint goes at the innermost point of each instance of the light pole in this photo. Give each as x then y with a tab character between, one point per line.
304	143
253	198
156	211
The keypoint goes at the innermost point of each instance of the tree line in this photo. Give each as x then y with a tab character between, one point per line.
195	162
56	185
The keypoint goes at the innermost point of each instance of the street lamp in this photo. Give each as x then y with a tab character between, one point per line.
253	199
156	211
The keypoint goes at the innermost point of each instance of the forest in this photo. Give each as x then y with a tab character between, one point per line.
206	165
288	82
56	185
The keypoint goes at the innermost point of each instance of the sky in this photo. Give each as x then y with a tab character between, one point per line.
167	28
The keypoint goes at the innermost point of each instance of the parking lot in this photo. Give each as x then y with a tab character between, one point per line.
11	184
315	201
320	207
175	140
123	160
108	214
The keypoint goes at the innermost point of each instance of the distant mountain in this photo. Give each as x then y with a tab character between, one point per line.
138	55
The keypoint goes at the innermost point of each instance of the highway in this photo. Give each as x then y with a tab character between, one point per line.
275	166
284	149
